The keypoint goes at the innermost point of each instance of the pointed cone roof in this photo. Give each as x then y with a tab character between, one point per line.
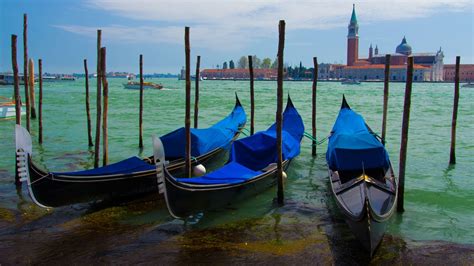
353	16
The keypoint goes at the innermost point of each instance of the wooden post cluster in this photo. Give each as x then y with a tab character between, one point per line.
452	154
385	97
25	70
281	46
16	84
140	119
252	99
88	111
404	138
105	86
99	105
40	102
31	85
196	97
187	120
313	104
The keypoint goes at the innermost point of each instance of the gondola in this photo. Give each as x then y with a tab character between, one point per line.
361	177
251	169
129	177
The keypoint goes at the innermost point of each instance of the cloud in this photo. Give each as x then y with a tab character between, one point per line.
201	36
229	25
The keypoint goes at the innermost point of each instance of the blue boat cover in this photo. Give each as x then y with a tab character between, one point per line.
205	140
127	166
351	145
250	155
202	141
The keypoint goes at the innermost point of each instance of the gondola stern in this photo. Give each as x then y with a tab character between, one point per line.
24	152
161	171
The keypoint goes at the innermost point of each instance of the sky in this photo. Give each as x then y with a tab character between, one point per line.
63	32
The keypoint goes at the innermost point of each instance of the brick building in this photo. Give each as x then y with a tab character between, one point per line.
466	72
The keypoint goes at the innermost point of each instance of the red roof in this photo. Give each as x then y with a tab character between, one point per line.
381	66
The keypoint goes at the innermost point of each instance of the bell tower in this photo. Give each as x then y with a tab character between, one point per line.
353	39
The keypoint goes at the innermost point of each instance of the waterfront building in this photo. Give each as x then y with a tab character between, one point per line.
428	66
466	72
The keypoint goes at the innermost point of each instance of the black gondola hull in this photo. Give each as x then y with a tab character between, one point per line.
368	231
365	222
184	200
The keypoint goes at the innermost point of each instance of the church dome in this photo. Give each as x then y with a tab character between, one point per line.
403	48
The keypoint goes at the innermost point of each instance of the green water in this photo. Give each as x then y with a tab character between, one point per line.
438	201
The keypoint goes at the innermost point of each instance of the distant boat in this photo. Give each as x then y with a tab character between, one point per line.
135	85
351	82
468	85
68	78
50	78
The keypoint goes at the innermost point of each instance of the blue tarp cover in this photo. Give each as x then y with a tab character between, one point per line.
250	155
205	140
351	145
127	166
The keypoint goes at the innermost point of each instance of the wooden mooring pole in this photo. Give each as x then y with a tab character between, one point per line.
31	85
25	70
105	89
385	97
40	102
98	102
88	110
252	99
196	97
16	81
404	138
279	122
140	112
313	104
452	154
16	84
187	119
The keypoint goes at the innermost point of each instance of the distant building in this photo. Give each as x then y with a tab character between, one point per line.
324	71
466	72
377	72
239	73
428	66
